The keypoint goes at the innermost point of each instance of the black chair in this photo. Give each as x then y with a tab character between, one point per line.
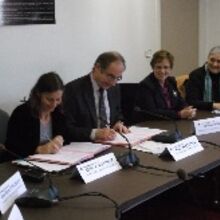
4	123
128	96
3	129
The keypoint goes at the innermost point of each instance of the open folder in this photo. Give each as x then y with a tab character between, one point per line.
71	154
135	136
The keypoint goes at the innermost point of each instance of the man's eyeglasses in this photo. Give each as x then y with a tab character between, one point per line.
111	77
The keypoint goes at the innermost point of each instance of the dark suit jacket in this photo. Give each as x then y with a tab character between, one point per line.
23	134
79	107
150	97
195	88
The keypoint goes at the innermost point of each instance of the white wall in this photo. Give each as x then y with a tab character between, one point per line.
179	33
209	27
83	30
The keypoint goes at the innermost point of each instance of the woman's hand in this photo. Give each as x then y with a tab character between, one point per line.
52	147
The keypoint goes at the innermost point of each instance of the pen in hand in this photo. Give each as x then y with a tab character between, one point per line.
55	144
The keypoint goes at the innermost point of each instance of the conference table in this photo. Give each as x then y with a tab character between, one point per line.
129	188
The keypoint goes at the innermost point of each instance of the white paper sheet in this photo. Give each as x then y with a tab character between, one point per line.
11	190
49	167
15	214
151	147
136	136
71	154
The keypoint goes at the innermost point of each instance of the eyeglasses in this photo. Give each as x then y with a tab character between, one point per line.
160	67
111	77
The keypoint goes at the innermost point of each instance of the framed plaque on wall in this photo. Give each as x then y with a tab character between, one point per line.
23	12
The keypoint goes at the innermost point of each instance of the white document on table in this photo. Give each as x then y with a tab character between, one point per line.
15	214
136	136
151	147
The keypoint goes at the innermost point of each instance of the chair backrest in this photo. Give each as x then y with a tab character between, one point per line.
3	125
128	95
181	80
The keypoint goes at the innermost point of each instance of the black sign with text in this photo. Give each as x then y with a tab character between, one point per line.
20	12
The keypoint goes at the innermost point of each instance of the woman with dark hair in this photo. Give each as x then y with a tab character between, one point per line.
38	126
158	92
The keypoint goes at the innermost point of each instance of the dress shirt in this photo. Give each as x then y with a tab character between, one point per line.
96	93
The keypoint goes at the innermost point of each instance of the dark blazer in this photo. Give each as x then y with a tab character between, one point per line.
23	134
195	88
150	97
79	107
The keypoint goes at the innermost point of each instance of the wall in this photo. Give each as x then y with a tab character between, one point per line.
179	32
84	29
209	27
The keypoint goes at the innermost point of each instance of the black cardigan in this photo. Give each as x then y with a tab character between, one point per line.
150	97
23	134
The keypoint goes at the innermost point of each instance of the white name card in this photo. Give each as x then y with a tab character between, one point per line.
11	190
99	167
207	126
15	214
185	148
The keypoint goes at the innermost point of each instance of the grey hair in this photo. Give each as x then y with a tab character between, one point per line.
214	50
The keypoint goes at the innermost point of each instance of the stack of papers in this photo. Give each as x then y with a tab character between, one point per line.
49	167
151	147
136	136
67	156
71	154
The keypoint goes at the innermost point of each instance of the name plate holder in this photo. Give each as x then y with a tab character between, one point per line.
183	148
10	190
98	167
207	126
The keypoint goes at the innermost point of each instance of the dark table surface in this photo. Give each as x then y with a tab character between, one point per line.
128	187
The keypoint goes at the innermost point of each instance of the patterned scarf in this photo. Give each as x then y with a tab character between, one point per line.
207	94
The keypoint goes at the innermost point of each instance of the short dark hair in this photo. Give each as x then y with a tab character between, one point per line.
48	82
105	59
161	55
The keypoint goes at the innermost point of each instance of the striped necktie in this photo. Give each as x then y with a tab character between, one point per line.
102	109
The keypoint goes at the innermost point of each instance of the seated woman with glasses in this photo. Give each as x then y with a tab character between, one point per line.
157	93
38	125
203	86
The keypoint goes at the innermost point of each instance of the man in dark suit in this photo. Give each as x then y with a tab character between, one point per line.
92	102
